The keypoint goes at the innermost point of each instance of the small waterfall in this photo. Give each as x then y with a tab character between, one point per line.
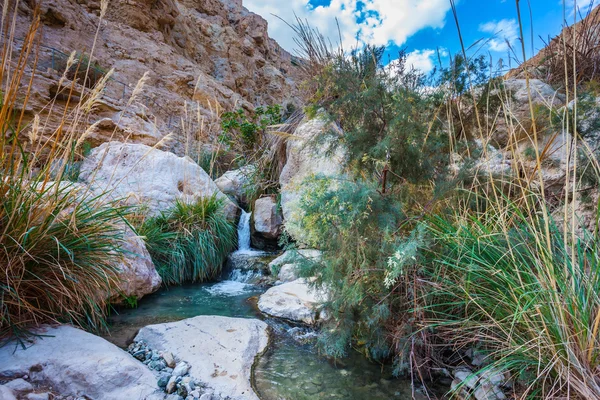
244	232
245	276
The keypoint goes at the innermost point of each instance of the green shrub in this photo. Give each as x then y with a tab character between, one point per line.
59	256
249	126
386	118
512	282
191	241
354	226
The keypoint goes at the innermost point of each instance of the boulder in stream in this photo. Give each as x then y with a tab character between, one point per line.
220	351
296	301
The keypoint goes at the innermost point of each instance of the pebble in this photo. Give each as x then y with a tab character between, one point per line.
181	369
19	386
163	380
169	359
206	396
171	385
38	396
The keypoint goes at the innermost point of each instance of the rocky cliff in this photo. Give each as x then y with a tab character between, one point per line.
203	56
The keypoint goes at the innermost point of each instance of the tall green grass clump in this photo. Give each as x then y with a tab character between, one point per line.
512	283
59	254
190	242
60	245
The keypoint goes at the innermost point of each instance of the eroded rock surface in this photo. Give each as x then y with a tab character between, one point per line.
142	175
213	54
304	159
219	351
295	301
76	363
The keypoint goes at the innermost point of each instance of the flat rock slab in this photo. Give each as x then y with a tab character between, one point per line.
220	350
77	363
295	301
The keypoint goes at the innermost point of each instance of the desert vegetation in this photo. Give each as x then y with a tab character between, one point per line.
432	256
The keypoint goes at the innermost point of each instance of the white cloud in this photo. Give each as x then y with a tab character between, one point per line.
421	59
379	22
504	34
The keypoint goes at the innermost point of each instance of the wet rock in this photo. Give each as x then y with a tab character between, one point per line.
220	351
267	218
295	301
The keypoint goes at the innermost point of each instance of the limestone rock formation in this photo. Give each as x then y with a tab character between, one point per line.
303	161
75	363
138	273
140	174
220	351
295	301
208	56
236	182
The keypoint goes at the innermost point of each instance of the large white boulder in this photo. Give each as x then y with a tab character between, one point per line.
296	301
267	218
140	174
220	350
76	363
305	159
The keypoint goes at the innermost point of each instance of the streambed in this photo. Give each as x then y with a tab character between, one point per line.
291	369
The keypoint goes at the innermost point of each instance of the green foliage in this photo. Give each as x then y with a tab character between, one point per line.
191	241
249	127
353	225
386	117
86	71
525	293
59	254
131	301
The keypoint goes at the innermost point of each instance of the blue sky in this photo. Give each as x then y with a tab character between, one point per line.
422	26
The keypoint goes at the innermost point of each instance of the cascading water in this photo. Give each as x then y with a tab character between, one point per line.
244	232
241	272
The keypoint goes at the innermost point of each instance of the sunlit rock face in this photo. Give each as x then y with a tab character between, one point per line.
211	55
75	363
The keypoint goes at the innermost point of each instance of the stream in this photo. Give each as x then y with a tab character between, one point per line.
291	369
